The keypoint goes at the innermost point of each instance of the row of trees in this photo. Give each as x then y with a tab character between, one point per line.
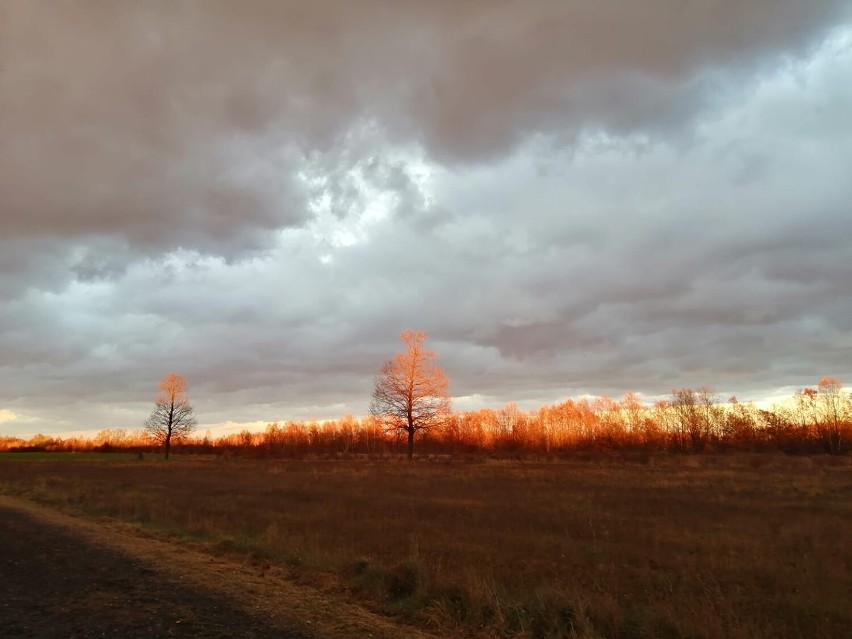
411	395
411	402
689	421
814	420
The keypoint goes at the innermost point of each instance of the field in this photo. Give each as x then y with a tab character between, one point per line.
79	456
714	546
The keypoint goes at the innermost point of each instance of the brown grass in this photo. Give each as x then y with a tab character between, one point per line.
715	547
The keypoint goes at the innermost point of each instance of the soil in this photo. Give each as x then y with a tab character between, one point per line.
68	577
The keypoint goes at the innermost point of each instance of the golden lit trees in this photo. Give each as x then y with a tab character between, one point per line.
411	390
824	413
173	417
740	424
684	404
834	408
697	416
804	411
632	408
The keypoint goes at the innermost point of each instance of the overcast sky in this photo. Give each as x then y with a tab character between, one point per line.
574	197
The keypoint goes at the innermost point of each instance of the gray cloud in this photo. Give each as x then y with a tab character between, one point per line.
180	126
570	197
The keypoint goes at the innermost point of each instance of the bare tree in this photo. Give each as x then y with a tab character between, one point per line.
632	407
834	407
173	417
805	412
411	390
685	406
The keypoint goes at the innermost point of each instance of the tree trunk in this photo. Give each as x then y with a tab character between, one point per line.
410	444
834	442
168	443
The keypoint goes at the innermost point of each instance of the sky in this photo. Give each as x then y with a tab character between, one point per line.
571	198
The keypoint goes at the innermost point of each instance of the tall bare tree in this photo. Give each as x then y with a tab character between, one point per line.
411	390
173	417
834	409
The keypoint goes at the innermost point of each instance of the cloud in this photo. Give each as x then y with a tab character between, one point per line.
189	132
575	197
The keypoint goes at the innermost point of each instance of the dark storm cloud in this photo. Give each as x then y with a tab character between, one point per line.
571	197
502	74
178	125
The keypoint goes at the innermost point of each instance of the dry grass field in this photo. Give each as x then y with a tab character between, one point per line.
718	547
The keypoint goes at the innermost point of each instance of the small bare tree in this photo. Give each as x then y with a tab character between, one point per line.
173	417
411	390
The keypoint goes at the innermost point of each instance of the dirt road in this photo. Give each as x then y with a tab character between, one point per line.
56	584
71	578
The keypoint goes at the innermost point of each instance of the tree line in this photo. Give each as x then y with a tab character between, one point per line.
411	400
813	421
